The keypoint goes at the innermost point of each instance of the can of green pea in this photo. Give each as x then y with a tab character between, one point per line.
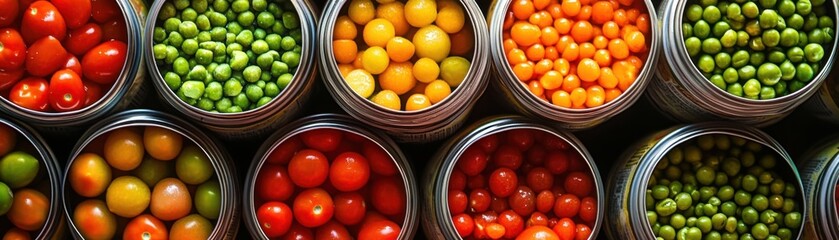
271	181
750	62
129	90
521	94
818	172
526	148
239	68
46	182
207	195
717	180
422	97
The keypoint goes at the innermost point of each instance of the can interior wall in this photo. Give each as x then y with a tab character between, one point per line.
257	122
429	124
227	224
683	93
574	119
820	174
436	220
345	124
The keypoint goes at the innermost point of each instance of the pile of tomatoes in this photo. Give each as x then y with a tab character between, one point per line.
149	177
23	196
330	184
523	184
41	43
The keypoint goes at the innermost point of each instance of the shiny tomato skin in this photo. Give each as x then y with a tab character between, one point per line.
523	201
503	182
349	171
388	196
45	56
557	162
324	139
350	208
103	63
145	227
84	38
9	12
273	183
540	179
9	78
473	161
508	156
567	206
93	220
463	224
12	49
42	19
104	10
75	12
313	207
479	200
512	222
521	138
31	93
274	218
298	232
457	181
73	64
488	143
93	92
578	183
283	152
537	232
458	201
380	162
588	209
308	168
66	91
332	230
115	29
582	232
382	230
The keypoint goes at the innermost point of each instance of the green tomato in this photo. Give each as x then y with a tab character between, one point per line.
152	170
208	199
193	166
18	169
6	198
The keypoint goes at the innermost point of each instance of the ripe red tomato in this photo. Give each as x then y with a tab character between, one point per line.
73	64
75	12
283	152
274	218
512	222
323	139
298	232
481	222
380	230
308	168
588	209
520	138
103	63
463	224
545	201
380	161
578	183
93	92
388	196
503	182
104	10
457	181
488	143
508	156
523	201
12	49
479	200
349	171
537	219
557	162
45	56
9	78
84	38
31	93
273	183
313	207
350	208
582	232
66	91
9	12
567	206
536	155
145	227
552	142
565	229
476	182
499	204
332	231
537	233
540	179
115	29
42	19
473	161
458	201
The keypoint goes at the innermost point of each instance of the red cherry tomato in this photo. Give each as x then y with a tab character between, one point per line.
512	222
380	230
103	63
298	232
350	208
380	162
349	171
508	156
540	179
567	206
582	232
45	56
93	92
9	12
274	218
273	183
557	162
323	139
115	29
499	204
104	10
145	227
313	207
73	64
388	196
503	182
537	233
84	38
552	142
523	201
31	93
537	219
308	168
9	78
457	181
283	153
75	12
565	229
545	201
588	209
479	200
463	224
488	143
458	201
473	161
520	138
482	221
578	183
66	91
536	155
476	182
332	231
42	19
12	49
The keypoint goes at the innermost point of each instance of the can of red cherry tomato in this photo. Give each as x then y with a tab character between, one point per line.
713	179
235	94
819	169
510	177
555	63
142	173
424	85
328	175
77	68
29	175
737	75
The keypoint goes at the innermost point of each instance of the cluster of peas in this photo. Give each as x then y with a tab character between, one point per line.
758	49
721	187
231	56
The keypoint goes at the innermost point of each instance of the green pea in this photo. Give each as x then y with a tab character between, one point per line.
771	38
768	18
259	47
747	72
241	100
192	89
175	39
290	20
203	23
252	73
750	10
742	39
740	59
693	233
804	72
240	6
667	232
220	5
234	27
810	22
239	60
199	72
733	11
260	5
272	90
718	81
813	52
245	38
753	28
234	109
803	7
232	87
288	43
284	80
711	46
694	12
701	29
795	21
181	4
223	105
180	66
265	20
756	44
693	46
171	54
172	80
168	10
706	63
768	74
253	92
825	22
214	91
768	3
189	14
728	208
246	19
711	14
786	8
729	38
687	30
293	58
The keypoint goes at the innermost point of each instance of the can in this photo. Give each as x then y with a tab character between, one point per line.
128	91
823	104
253	123
630	175
344	124
429	124
34	144
684	94
523	101
227	224
437	219
819	169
